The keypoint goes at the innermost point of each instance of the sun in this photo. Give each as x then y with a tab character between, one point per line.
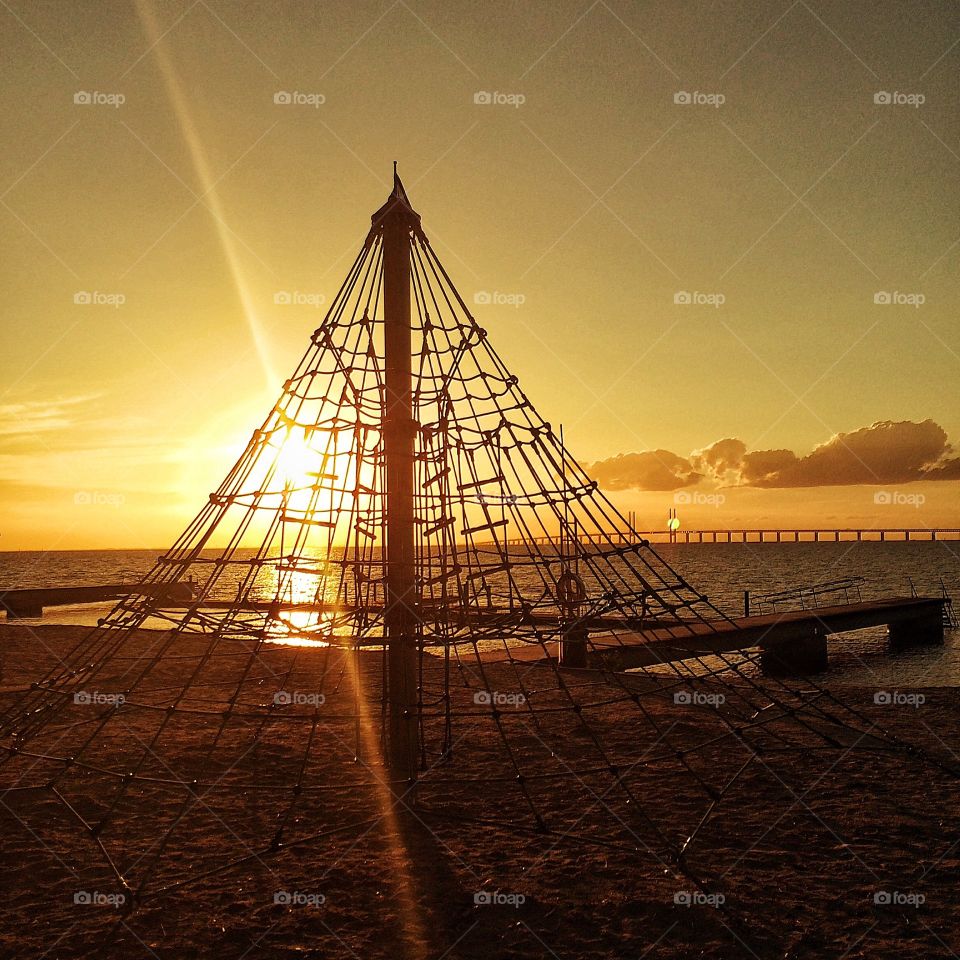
313	470
298	460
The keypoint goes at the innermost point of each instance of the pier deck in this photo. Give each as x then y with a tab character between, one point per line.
783	634
30	602
793	642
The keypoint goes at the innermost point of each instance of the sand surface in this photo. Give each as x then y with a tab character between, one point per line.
788	863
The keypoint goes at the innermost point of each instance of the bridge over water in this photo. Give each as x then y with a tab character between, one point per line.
770	535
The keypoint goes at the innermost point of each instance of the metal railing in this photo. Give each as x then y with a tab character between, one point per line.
950	621
810	596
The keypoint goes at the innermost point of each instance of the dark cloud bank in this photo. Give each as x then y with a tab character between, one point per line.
885	452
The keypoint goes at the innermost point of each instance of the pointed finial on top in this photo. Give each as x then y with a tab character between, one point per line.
397	202
398	192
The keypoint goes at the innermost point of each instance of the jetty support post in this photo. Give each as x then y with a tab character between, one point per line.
22	610
925	629
573	647
797	657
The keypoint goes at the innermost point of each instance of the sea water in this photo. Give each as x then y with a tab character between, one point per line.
722	571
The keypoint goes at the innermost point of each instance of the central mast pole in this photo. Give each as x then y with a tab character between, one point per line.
401	617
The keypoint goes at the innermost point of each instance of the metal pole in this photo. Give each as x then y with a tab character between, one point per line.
399	436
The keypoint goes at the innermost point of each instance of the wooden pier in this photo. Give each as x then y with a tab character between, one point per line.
30	603
793	642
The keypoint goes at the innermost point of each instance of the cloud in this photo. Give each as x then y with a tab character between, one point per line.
650	470
948	469
761	466
885	452
720	459
30	417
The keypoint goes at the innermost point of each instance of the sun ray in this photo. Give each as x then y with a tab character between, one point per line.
209	194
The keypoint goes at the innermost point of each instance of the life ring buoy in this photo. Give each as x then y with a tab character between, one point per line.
570	588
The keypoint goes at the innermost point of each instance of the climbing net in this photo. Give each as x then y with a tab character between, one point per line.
252	661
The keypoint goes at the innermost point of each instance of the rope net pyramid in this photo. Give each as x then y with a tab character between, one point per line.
387	605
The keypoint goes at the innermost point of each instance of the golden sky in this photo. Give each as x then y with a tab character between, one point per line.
680	225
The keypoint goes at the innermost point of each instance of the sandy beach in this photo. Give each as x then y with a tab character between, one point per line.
845	850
